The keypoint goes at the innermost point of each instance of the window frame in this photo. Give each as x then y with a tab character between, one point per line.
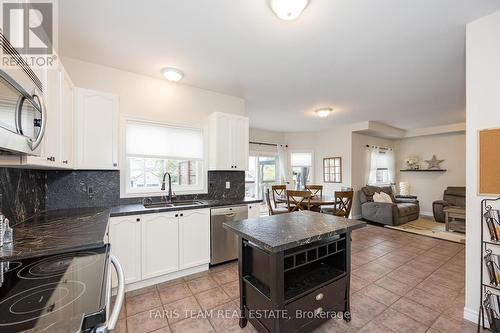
126	192
329	170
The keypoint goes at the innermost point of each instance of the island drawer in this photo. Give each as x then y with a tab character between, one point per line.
323	303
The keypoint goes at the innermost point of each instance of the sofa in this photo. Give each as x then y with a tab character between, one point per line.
452	196
400	211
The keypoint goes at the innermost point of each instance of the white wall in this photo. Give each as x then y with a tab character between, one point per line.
483	111
148	98
260	135
429	186
360	164
328	143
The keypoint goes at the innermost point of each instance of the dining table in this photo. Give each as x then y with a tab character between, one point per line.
316	201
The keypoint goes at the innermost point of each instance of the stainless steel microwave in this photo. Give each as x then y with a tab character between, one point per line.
22	108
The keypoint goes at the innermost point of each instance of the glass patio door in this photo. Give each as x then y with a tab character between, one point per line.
262	174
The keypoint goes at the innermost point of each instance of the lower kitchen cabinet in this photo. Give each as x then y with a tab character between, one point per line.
160	244
254	211
194	238
125	238
152	245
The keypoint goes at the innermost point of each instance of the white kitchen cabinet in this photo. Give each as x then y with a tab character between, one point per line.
228	142
96	127
254	211
125	238
160	244
67	119
194	238
52	137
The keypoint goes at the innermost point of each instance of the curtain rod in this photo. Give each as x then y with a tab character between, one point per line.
267	144
384	148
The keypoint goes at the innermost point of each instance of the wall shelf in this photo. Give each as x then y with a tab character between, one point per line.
423	170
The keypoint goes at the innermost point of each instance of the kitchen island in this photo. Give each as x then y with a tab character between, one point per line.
294	270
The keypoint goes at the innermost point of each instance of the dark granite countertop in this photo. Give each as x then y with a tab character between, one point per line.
285	231
133	209
57	231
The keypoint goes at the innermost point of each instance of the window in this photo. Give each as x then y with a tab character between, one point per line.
153	149
332	170
301	163
262	174
381	166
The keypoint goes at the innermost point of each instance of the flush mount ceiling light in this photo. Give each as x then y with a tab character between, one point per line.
172	74
288	9
323	112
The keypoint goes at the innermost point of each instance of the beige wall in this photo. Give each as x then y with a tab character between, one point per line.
429	186
359	176
483	105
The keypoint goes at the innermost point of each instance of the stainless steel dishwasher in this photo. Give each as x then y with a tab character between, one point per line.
224	244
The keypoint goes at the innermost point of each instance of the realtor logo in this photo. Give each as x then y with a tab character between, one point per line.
29	26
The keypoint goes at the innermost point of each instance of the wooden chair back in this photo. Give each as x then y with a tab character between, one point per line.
278	190
268	201
343	203
298	200
316	190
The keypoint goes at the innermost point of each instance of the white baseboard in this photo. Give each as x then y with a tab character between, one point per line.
471	315
164	278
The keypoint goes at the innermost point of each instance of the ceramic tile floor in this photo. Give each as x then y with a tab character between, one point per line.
400	283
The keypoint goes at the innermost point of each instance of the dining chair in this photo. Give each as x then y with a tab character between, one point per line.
278	190
343	204
298	200
273	210
316	190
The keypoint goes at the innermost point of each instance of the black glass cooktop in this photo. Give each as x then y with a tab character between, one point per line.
53	293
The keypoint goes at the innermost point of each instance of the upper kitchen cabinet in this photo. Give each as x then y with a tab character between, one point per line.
228	142
96	127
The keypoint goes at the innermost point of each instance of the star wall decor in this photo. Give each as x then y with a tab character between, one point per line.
434	163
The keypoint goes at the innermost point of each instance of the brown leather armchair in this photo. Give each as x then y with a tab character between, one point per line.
452	196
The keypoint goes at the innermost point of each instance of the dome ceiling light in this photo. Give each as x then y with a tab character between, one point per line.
172	74
323	112
288	9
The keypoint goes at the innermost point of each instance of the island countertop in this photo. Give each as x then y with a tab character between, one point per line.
285	231
57	231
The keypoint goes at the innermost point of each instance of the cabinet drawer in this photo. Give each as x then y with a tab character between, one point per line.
330	298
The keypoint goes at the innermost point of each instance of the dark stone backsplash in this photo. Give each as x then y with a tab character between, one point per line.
26	192
22	193
82	189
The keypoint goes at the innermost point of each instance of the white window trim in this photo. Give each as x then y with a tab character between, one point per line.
124	193
313	161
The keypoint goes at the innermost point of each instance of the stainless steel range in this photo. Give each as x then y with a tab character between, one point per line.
61	293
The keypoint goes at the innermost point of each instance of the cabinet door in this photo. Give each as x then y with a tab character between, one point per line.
254	211
52	140
160	244
239	141
220	143
67	114
97	130
125	239
194	238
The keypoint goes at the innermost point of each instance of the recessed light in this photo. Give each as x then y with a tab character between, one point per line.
288	9
172	74
323	112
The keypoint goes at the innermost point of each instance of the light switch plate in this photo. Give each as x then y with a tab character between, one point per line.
228	185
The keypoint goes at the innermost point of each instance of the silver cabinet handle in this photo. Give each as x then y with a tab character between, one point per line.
43	121
319	296
113	318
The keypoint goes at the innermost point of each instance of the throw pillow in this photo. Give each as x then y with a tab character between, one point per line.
377	197
387	198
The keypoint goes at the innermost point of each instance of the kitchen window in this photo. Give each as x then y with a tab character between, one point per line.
153	149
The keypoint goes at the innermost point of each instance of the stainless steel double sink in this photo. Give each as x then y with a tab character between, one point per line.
174	204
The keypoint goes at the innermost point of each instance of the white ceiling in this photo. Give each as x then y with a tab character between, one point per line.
401	62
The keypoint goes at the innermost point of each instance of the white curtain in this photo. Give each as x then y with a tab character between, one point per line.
283	164
371	170
391	165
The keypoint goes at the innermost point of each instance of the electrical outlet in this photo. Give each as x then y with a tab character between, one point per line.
228	185
90	190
